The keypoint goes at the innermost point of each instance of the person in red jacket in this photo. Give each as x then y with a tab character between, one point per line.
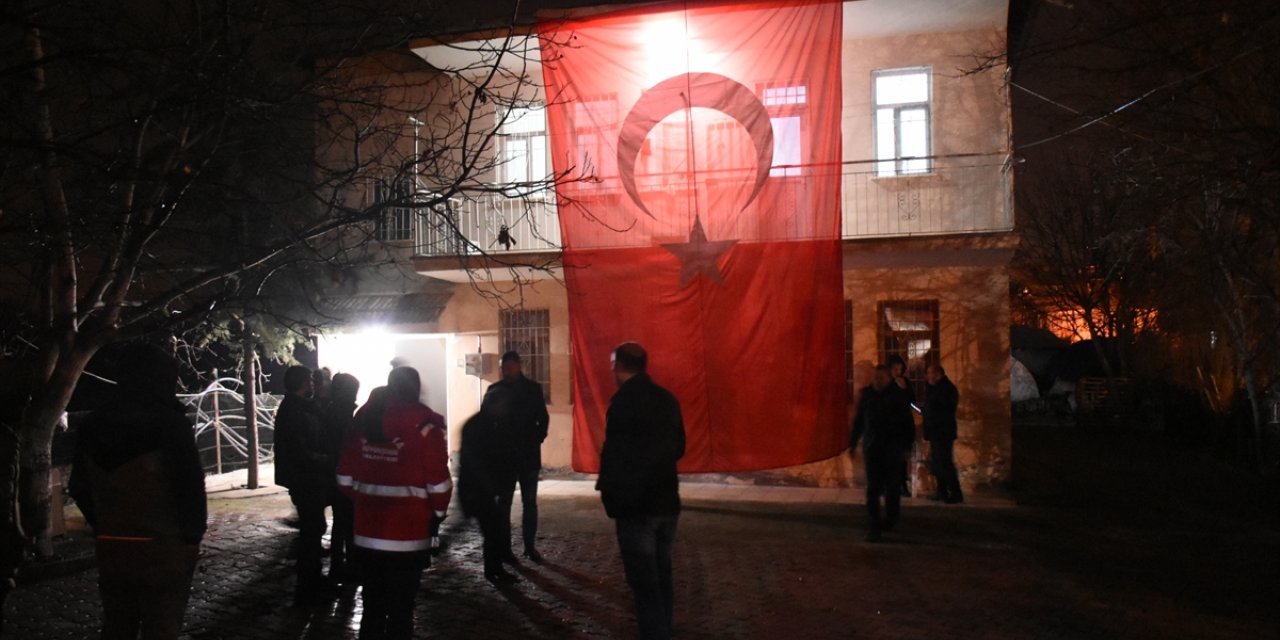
395	469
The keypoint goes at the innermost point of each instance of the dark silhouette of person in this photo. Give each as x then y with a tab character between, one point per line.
527	424
137	478
639	485
304	465
395	469
486	476
337	417
883	423
941	398
898	369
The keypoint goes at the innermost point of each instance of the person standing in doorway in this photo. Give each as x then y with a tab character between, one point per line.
898	370
137	479
883	423
526	423
304	466
940	402
395	470
639	485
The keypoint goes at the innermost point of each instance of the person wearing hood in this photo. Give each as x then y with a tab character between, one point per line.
138	480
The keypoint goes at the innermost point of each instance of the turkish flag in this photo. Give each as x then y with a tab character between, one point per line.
706	223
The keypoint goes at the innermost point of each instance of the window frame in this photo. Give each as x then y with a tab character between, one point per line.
529	139
518	328
898	165
893	342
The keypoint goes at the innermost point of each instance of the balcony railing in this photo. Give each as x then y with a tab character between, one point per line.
960	194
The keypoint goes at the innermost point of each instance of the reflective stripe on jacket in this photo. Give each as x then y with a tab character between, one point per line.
397	485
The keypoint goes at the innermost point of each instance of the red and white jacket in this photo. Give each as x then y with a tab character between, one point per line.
397	485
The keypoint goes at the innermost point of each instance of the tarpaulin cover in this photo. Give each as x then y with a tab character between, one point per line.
707	225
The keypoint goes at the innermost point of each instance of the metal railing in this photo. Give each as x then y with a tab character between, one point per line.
960	194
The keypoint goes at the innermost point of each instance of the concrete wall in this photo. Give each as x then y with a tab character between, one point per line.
473	318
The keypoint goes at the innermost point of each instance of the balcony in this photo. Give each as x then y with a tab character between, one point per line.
959	195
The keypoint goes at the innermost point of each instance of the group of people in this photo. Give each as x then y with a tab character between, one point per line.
884	424
384	469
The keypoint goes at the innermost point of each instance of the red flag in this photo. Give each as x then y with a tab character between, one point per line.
708	229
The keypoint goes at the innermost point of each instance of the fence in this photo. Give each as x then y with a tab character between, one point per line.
218	412
967	193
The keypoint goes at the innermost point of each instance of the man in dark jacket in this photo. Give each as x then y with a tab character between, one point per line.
883	423
487	473
137	479
639	485
526	425
304	465
940	401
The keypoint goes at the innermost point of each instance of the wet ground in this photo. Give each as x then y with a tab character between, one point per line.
1114	536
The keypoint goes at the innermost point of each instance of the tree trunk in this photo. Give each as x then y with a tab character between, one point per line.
251	411
42	416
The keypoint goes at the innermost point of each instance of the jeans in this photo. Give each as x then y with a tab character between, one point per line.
310	502
884	476
341	539
390	587
144	587
645	542
527	478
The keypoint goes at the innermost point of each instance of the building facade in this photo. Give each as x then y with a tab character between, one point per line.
928	229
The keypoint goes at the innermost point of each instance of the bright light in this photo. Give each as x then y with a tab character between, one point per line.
667	46
366	355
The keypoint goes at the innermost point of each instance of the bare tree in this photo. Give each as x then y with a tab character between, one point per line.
171	168
1184	94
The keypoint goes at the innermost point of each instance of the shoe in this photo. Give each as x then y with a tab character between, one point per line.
873	535
501	577
533	555
511	559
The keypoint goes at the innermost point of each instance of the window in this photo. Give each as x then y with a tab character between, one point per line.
595	123
786	103
909	330
523	145
393	197
901	98
528	332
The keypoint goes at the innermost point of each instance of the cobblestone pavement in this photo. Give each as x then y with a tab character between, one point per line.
781	569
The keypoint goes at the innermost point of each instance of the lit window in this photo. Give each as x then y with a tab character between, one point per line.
786	104
901	98
523	142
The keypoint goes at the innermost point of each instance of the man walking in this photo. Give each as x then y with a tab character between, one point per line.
883	423
137	479
304	465
526	421
644	438
940	401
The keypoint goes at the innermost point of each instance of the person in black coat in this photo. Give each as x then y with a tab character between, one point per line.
137	478
526	427
337	418
884	425
639	486
940	401
487	471
305	466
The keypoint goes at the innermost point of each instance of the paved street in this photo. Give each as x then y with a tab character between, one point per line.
789	563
